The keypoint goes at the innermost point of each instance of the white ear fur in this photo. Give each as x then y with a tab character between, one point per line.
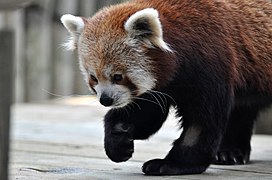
75	26
146	24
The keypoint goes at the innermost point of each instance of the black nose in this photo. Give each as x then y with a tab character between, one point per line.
106	100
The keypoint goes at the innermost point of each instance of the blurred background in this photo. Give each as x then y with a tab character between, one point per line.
43	70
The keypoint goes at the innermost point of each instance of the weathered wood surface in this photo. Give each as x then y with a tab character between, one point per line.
56	141
6	62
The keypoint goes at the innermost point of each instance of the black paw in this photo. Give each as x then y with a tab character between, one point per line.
119	144
165	167
231	157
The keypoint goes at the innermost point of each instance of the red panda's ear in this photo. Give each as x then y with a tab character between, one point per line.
75	26
145	24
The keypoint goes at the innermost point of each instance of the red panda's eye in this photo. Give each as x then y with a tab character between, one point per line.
117	78
93	78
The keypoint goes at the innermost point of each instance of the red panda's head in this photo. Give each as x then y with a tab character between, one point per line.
112	48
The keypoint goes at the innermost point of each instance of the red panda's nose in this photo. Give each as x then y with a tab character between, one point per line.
106	100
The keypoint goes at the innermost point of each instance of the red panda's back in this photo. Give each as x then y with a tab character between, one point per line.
245	28
254	21
241	27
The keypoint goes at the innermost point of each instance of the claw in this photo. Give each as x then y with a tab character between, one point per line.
231	157
244	161
223	157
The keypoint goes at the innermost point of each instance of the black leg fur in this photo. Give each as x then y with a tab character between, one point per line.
205	118
139	120
235	146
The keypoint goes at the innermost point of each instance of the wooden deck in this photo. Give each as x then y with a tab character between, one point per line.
65	141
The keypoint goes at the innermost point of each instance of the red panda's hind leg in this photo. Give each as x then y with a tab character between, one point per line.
235	146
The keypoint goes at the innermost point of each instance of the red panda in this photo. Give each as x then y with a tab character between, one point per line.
209	59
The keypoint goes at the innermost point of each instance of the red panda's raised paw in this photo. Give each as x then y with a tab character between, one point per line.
119	144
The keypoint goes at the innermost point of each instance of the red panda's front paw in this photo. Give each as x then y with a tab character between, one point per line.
119	144
160	167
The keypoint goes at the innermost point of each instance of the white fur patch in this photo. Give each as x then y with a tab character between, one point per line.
119	93
142	79
84	72
191	136
152	16
75	26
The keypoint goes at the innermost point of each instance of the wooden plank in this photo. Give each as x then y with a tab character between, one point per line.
6	58
260	162
50	166
66	142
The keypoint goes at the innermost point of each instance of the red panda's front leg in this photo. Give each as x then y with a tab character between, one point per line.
118	141
205	119
139	120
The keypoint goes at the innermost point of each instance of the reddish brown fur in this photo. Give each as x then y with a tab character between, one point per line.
218	76
240	29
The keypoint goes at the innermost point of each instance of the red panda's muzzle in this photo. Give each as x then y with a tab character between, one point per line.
105	100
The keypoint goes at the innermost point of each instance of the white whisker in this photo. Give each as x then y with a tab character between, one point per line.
163	110
127	112
53	94
61	97
148	100
134	103
164	94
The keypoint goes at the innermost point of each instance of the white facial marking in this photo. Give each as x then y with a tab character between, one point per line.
83	71
138	68
120	94
143	79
